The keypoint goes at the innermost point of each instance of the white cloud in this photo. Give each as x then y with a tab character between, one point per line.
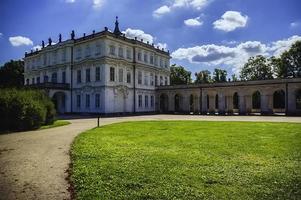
235	56
1	34
230	21
193	22
132	33
161	11
174	4
19	41
162	45
39	47
98	3
295	24
69	1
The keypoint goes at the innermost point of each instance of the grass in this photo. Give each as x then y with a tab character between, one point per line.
188	160
55	124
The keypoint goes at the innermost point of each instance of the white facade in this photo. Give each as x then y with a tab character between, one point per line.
100	73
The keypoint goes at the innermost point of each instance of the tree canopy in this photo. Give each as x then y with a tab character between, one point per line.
11	74
178	75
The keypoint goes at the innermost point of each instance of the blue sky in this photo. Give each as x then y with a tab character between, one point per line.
200	34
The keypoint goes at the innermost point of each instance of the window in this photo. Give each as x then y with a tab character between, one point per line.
139	56
161	80
78	101
54	57
45	79
128	77
120	75
88	51
145	79
32	81
139	101
128	53
97	74
78	53
156	60
139	77
79	76
151	60
146	101
120	52
165	81
152	101
54	77
151	79
112	74
27	81
87	101
88	79
97	100
145	57
161	62
112	50
165	63
38	80
64	77
64	55
156	80
98	49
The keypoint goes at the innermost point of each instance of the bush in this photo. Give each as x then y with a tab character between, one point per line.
24	110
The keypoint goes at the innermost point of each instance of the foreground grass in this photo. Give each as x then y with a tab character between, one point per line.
55	124
188	160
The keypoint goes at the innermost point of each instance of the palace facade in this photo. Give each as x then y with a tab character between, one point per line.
107	73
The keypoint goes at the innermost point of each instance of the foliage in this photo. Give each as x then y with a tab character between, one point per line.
257	68
291	61
188	160
56	123
219	75
11	74
24	110
178	75
234	78
203	77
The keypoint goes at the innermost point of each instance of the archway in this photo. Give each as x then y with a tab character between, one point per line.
235	101
256	101
163	103
298	99
191	103
177	103
59	100
279	99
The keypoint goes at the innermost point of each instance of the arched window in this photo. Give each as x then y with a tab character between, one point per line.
235	101
298	99
279	99
216	101
256	102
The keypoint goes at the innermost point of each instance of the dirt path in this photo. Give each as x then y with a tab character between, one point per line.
33	164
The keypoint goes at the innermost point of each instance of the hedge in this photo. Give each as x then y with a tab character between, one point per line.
24	110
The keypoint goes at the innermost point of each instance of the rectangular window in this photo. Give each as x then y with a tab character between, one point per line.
78	101
151	59
88	51
128	77
156	60
145	57
152	101
98	49
161	80
165	81
128	54
156	80
78	53
38	80
64	77
54	77
139	101
120	52
112	50
139	56
120	75
79	76
145	79
87	101
152	79
88	79
139	77
112	74
161	62
146	101
97	74
97	100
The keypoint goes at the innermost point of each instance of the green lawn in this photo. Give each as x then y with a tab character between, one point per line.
188	160
55	124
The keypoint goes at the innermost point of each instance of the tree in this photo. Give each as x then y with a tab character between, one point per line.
202	77
291	61
234	78
219	75
178	75
11	74
257	68
278	67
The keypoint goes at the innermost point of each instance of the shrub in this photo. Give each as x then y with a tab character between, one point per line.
24	109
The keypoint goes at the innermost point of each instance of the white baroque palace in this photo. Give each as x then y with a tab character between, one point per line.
104	72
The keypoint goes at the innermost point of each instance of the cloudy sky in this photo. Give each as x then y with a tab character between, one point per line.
200	34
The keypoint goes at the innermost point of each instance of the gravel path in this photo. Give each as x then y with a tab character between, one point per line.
33	164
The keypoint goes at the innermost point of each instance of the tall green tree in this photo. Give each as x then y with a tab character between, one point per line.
178	75
234	78
257	68
291	61
11	74
202	77
219	75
